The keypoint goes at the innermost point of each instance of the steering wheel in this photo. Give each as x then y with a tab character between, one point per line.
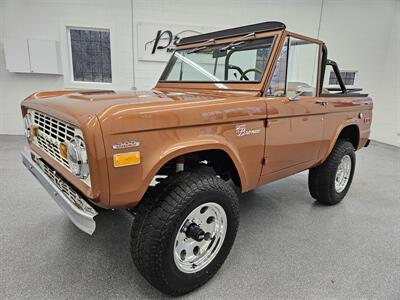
243	76
237	68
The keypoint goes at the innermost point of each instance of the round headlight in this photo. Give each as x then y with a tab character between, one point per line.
77	157
28	127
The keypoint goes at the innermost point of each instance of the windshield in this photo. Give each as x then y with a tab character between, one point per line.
238	61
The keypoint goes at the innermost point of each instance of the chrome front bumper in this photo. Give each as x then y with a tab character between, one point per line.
82	216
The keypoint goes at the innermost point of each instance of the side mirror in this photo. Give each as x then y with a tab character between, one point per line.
297	95
302	90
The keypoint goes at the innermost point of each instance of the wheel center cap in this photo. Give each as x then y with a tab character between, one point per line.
195	232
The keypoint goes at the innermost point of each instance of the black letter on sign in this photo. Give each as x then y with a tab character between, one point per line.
158	38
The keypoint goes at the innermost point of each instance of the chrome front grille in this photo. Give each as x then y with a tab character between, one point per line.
51	132
65	188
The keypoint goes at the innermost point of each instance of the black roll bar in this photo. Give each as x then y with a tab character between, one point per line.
338	75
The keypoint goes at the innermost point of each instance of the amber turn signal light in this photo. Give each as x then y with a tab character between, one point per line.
63	149
35	130
126	159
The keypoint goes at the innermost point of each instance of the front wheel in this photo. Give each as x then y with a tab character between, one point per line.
330	182
184	231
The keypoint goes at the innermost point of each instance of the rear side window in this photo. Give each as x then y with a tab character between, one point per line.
296	71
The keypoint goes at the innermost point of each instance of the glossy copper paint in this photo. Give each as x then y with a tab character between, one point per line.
178	118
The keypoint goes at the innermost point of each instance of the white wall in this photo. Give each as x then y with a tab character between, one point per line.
45	20
365	36
360	34
302	16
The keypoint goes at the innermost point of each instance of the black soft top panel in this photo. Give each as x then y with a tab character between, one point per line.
254	28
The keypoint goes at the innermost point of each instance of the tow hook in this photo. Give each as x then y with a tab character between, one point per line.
195	232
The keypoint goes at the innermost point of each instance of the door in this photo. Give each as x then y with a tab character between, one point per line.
295	115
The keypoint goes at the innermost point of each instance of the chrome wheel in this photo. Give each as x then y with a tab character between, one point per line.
200	237
343	174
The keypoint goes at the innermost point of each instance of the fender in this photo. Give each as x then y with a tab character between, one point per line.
344	124
132	197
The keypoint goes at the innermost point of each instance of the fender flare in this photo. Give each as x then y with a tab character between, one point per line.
336	136
182	148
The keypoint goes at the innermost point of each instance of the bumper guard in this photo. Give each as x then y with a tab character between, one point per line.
82	217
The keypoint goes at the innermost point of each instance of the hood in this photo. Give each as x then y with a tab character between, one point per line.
78	104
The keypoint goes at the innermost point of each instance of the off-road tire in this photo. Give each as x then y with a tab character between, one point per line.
321	179
157	222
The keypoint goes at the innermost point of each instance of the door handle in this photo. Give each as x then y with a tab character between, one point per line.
321	102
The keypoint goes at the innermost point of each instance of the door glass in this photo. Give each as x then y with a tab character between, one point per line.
302	71
299	76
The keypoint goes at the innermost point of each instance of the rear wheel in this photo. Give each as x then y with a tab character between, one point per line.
330	182
184	231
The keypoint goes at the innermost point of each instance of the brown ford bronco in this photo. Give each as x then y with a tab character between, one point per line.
233	109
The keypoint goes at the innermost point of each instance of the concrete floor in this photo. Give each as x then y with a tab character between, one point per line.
287	246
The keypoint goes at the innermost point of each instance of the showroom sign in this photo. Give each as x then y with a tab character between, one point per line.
156	41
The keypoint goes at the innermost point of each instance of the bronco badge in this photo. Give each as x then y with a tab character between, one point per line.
242	131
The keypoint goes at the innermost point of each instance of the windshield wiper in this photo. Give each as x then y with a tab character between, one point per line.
201	47
238	41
